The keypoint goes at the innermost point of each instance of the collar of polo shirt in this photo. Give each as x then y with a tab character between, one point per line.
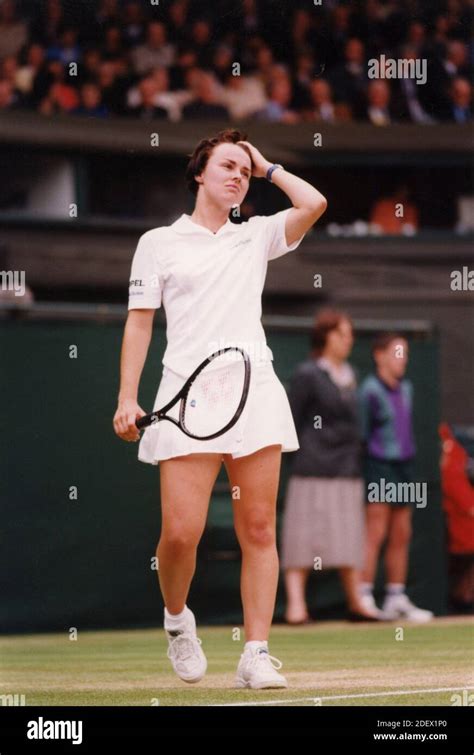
185	225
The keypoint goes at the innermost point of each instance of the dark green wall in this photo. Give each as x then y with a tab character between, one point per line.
86	562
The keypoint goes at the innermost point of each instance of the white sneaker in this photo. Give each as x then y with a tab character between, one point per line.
368	604
401	607
184	650
258	670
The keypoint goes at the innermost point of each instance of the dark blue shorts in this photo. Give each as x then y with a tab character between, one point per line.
384	473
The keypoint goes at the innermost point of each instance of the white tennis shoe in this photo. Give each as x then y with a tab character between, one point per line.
184	650
401	607
259	670
368	603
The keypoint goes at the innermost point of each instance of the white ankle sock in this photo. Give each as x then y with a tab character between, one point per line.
395	588
175	619
366	588
254	644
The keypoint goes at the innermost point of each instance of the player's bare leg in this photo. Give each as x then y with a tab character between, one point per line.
256	478
186	484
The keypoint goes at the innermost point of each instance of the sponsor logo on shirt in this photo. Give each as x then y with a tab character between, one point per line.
239	243
136	282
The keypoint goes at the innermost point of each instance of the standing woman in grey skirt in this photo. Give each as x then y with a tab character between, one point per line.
323	521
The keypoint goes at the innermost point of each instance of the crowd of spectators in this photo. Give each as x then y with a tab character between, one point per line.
270	61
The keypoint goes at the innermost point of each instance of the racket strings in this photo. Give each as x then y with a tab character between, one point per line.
214	398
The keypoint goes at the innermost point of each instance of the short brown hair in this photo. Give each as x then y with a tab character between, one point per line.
204	149
326	320
383	340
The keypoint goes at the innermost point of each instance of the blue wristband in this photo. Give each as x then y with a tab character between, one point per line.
271	169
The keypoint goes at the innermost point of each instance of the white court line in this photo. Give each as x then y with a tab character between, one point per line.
344	697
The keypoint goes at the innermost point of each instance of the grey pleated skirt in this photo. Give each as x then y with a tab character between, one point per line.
324	518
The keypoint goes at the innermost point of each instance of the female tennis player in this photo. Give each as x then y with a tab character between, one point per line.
209	274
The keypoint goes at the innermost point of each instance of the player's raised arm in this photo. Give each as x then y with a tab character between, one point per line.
308	203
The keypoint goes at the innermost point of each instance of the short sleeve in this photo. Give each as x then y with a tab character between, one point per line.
145	285
364	410
274	230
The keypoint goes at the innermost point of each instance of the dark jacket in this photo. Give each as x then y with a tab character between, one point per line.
333	450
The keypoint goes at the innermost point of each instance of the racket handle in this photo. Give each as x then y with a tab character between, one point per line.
146	420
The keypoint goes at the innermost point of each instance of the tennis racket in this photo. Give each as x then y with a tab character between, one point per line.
212	398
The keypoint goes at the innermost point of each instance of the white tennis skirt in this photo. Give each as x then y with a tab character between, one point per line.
266	420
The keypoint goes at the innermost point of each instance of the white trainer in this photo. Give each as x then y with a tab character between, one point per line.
259	670
401	607
368	603
184	650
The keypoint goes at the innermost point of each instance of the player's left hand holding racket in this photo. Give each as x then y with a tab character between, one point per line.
211	400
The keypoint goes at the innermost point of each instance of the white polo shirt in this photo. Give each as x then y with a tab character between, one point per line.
210	285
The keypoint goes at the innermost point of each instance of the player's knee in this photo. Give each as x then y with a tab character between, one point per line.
258	533
178	540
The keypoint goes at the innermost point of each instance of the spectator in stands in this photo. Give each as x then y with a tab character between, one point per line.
459	108
416	38
67	49
113	46
91	104
323	520
26	74
13	32
163	98
186	59
8	100
396	214
108	13
455	63
439	38
321	105
278	108
155	52
304	74
222	63
9	70
177	22
243	95
205	103
339	34
378	110
201	42
90	64
133	23
301	32
349	79
148	109
112	86
264	64
386	410
251	22
48	27
410	101
452	64
61	97
335	44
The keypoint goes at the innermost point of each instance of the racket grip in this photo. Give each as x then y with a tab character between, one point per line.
145	421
